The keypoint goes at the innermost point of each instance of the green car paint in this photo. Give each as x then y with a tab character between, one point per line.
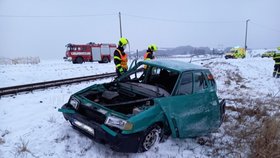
109	130
188	108
67	111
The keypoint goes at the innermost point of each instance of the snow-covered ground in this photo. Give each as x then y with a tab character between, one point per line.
32	120
47	70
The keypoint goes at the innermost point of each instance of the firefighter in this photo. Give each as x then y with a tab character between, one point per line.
276	58
149	55
120	57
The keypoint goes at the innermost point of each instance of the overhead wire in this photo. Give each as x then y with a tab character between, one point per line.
266	27
178	21
139	17
53	16
124	14
133	16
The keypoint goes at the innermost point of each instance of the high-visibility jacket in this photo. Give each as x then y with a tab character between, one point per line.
120	59
276	58
148	55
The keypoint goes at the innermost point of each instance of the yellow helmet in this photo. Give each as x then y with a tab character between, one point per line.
153	47
123	42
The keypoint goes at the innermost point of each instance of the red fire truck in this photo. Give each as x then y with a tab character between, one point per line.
79	53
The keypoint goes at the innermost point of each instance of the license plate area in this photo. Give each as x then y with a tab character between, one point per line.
83	126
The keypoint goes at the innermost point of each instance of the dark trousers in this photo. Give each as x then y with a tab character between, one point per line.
118	72
276	71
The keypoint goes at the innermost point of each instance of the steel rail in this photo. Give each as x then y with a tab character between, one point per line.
47	84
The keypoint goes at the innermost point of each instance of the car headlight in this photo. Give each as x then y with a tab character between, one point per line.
74	102
118	122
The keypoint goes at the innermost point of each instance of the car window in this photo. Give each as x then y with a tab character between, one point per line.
210	79
137	75
199	82
185	86
154	75
155	71
83	48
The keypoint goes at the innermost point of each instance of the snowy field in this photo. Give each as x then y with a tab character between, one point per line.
31	126
47	70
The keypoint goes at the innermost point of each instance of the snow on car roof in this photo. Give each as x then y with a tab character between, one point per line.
173	64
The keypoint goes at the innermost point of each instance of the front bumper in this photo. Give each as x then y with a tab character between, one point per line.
229	56
103	134
67	58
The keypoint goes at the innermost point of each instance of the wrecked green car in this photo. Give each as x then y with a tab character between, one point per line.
138	109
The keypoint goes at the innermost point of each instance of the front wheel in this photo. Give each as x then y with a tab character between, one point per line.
151	138
79	60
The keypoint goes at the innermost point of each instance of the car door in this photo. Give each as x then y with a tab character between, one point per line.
214	105
188	111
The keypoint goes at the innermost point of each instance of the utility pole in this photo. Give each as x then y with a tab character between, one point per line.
120	24
246	34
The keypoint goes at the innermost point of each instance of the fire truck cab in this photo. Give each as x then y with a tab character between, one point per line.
79	53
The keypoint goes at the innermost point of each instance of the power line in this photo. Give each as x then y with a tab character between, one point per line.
96	15
266	27
53	16
178	21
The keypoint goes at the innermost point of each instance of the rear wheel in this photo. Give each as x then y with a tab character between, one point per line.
151	138
105	60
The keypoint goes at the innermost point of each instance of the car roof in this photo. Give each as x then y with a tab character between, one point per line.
173	65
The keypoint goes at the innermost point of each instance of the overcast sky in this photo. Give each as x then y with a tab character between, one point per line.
43	27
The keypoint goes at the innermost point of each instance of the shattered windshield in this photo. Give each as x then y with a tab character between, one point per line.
153	76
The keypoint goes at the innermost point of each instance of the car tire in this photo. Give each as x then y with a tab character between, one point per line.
105	60
151	138
79	60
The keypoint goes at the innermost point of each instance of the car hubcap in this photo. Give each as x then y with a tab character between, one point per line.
151	138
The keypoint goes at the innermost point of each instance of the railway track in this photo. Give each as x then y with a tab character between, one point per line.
43	85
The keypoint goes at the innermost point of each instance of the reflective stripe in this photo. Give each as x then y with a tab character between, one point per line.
119	51
123	59
124	62
119	65
146	55
146	58
276	56
118	58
